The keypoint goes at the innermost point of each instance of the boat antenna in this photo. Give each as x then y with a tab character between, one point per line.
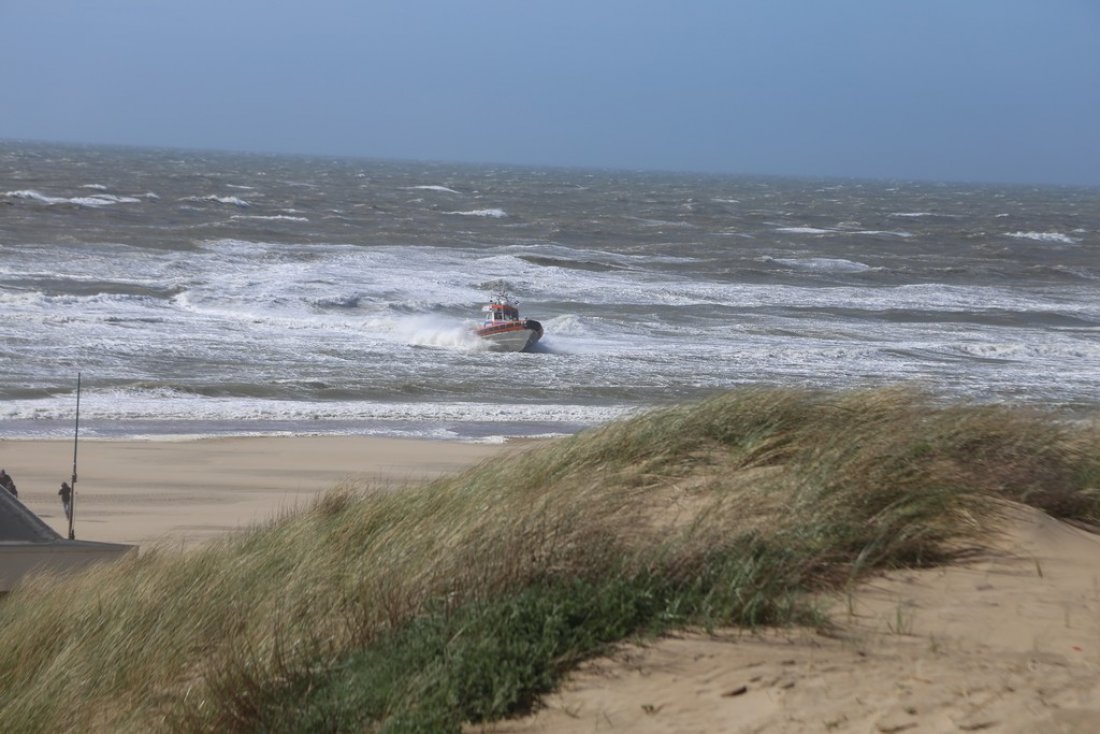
76	437
500	292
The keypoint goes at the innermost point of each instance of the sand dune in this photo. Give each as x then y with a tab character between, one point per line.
1007	643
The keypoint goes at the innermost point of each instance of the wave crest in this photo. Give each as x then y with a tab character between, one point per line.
235	201
95	200
494	213
1058	237
822	264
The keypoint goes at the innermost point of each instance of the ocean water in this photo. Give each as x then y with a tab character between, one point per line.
217	294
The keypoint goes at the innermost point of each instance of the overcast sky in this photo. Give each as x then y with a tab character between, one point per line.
962	90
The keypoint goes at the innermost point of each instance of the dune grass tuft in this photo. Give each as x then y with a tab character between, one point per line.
467	598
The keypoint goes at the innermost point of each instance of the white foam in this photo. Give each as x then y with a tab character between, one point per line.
823	264
95	200
436	331
885	232
34	196
163	404
661	223
336	323
431	188
1063	352
235	201
104	200
20	299
494	213
271	218
1058	237
805	230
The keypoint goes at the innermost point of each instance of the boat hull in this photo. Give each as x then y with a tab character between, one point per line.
512	338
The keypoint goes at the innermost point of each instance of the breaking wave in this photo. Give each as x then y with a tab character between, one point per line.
431	188
494	213
235	201
821	264
805	230
95	200
271	218
1058	237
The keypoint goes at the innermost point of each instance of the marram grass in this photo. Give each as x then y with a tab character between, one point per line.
466	598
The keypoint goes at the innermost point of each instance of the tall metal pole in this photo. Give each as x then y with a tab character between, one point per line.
76	437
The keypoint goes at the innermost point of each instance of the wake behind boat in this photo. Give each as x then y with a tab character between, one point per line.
503	328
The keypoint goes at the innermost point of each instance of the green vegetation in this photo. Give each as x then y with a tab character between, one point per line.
466	598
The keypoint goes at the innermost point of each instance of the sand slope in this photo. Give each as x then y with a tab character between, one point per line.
1007	643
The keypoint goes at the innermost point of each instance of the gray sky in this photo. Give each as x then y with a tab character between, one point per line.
963	90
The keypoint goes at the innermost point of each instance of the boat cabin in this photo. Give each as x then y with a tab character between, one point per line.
497	313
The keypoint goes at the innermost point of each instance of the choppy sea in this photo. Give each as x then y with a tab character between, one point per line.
202	294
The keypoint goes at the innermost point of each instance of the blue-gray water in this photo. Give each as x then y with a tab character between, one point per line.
202	293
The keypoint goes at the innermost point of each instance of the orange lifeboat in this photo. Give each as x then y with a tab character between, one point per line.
504	329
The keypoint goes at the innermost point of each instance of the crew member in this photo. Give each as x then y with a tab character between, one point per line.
66	493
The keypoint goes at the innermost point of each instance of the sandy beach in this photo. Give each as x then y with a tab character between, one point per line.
188	491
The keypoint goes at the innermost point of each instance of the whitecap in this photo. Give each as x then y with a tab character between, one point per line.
822	264
20	298
33	195
494	213
805	230
885	232
235	201
94	200
1058	237
431	188
97	187
274	217
104	200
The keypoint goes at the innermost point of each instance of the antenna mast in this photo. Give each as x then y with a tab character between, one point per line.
76	437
